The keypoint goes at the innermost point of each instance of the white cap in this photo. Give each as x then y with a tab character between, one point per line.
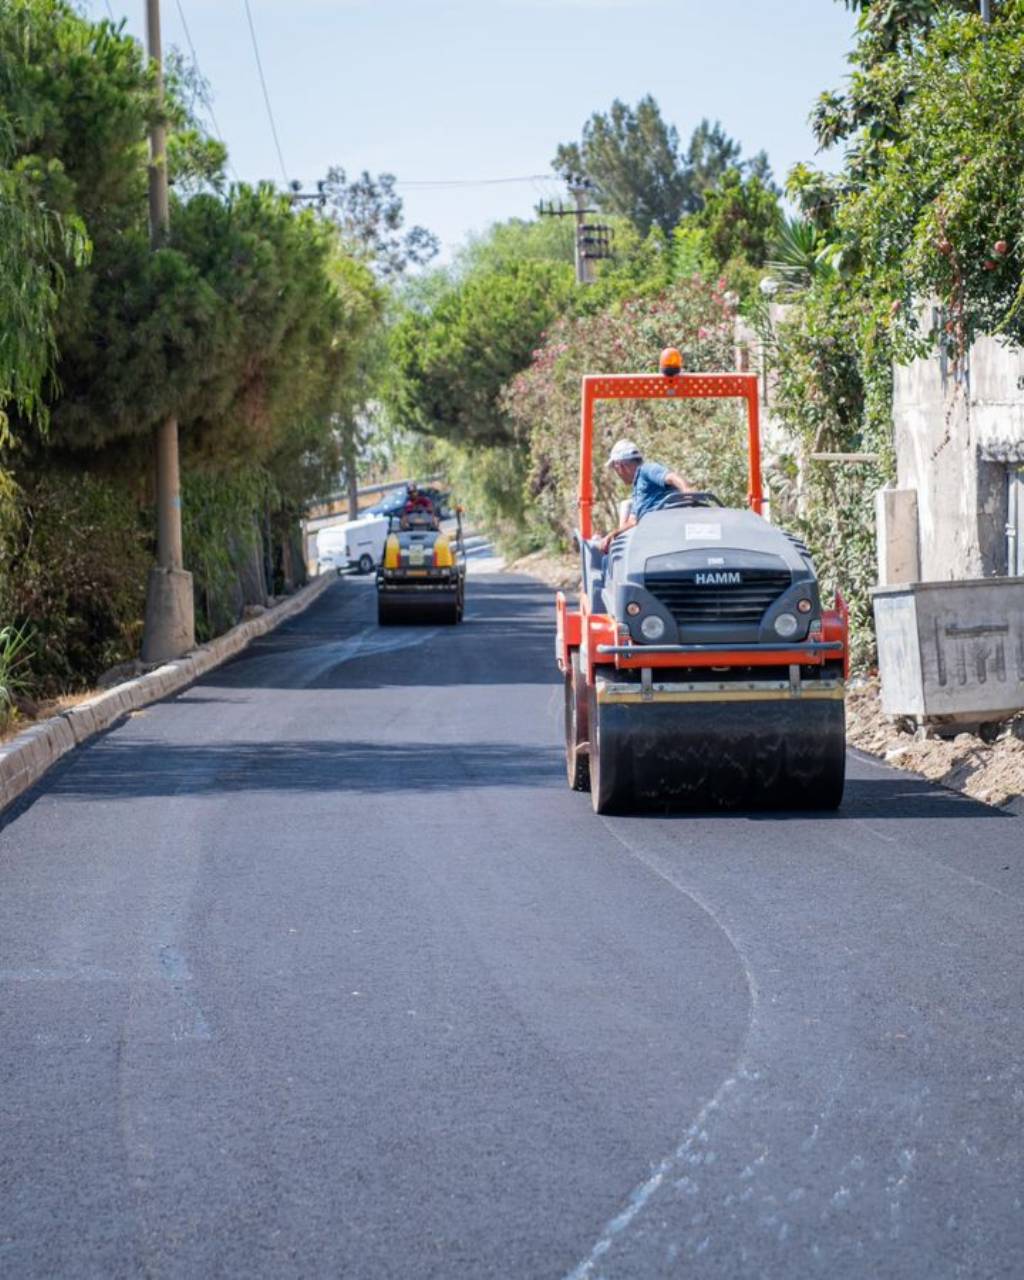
624	451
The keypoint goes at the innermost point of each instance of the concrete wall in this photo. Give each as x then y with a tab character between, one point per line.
952	651
777	440
955	431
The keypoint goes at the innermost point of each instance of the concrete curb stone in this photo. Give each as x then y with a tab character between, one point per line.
29	754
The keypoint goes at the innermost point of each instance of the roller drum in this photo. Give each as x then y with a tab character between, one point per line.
412	607
732	754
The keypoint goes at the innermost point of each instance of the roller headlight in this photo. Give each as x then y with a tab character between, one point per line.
786	625
653	627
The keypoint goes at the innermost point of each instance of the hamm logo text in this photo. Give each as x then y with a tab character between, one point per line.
723	578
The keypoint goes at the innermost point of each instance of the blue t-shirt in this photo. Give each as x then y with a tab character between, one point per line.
650	488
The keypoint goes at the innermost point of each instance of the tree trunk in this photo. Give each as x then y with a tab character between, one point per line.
350	457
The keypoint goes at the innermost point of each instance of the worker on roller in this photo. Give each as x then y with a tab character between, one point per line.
416	501
653	484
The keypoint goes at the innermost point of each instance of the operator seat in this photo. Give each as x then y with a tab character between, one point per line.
418	518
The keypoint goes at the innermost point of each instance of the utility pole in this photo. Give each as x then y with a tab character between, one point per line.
170	622
593	241
986	10
297	196
579	193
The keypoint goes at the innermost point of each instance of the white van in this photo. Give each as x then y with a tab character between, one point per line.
357	544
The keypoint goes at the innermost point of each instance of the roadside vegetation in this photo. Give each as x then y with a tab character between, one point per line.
299	346
251	325
919	199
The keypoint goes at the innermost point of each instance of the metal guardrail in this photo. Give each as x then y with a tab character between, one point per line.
367	491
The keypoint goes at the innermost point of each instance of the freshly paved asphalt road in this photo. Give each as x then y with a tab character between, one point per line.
319	969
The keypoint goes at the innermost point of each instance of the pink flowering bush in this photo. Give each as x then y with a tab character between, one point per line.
703	440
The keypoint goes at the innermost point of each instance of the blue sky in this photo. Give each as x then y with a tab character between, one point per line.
456	90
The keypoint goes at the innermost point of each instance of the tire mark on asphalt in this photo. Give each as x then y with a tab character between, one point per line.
310	663
175	969
686	1153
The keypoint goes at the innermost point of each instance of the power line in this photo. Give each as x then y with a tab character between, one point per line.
471	182
266	95
201	88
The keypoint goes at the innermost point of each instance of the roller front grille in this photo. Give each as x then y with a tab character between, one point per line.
691	601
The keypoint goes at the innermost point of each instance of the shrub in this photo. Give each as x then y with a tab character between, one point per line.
704	440
76	561
16	649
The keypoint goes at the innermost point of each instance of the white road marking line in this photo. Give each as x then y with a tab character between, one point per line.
684	1153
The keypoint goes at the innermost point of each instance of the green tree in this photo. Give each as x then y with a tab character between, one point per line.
450	362
370	219
234	326
742	219
704	438
369	214
632	158
710	155
866	116
248	324
38	241
942	215
506	244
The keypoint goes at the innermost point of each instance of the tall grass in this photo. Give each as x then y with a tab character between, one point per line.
15	654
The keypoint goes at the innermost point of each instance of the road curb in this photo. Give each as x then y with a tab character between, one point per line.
27	756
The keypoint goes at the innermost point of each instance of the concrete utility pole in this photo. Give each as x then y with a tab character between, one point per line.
593	242
584	269
986	10
170	623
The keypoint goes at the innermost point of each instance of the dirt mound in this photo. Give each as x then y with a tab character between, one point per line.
559	571
992	772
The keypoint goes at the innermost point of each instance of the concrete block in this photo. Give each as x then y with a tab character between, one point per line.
187	671
63	738
951	652
81	721
897	529
29	759
114	705
37	746
12	765
14	759
172	677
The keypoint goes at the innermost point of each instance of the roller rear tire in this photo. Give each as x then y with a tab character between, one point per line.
577	766
610	759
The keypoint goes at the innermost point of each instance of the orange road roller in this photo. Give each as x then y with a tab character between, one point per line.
701	668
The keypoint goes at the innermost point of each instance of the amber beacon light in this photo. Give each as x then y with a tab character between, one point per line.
671	362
